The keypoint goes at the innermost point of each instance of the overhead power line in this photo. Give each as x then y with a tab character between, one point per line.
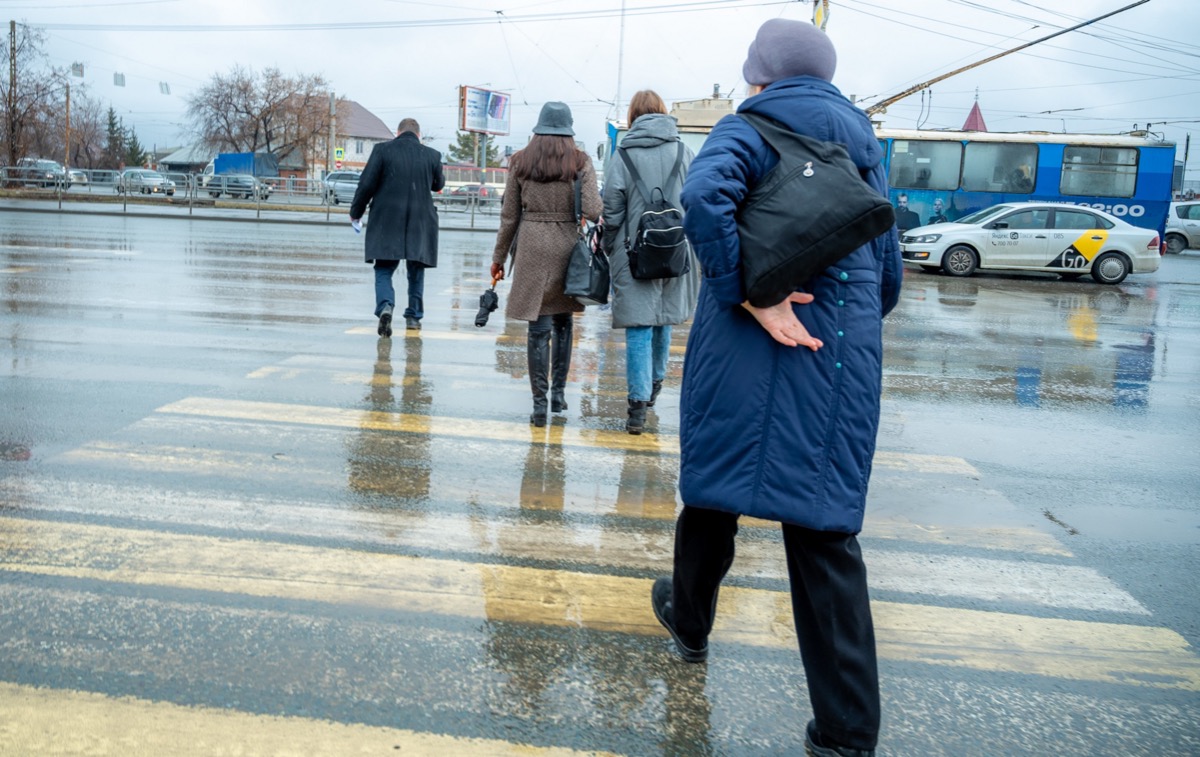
648	10
882	104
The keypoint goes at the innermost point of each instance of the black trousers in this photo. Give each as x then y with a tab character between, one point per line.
830	607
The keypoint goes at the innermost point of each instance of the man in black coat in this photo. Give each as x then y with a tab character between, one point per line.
398	182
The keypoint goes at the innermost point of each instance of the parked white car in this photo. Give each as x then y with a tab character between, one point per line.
1069	240
1183	227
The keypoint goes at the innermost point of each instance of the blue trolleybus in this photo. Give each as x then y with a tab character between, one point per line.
944	175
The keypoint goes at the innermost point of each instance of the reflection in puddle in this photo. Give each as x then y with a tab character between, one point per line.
1026	342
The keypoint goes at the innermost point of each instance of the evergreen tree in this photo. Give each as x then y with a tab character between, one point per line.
134	154
114	145
466	149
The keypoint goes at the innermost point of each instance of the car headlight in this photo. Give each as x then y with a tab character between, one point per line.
925	239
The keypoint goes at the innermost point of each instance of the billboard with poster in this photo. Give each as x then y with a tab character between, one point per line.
483	110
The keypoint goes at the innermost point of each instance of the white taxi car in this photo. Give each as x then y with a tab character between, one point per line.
1183	227
1069	240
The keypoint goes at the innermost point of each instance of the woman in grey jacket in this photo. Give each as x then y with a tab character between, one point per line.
646	308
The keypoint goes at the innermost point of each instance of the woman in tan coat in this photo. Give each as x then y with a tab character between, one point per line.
539	214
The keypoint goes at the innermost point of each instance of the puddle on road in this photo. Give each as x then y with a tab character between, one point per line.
1130	523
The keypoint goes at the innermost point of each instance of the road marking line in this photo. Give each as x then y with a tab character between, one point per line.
471	428
474	336
36	720
476	429
274	515
980	640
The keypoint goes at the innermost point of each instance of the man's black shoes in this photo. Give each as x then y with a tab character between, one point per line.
412	324
817	746
660	598
385	321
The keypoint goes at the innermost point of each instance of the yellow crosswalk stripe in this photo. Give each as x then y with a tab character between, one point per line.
41	721
991	641
474	336
475	428
422	529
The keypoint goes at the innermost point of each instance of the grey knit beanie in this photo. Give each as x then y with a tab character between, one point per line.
784	48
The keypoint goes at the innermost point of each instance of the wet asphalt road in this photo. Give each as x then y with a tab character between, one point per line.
233	520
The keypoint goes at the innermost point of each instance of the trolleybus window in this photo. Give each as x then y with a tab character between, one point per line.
920	164
996	167
1099	171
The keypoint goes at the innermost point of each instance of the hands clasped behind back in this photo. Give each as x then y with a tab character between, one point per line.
781	323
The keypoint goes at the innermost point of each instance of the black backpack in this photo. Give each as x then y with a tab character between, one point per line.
659	249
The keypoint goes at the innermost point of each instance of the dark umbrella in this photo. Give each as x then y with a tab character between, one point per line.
488	301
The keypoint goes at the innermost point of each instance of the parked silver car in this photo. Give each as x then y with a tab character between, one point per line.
241	185
144	181
340	186
1183	227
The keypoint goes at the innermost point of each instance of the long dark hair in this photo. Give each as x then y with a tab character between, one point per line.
548	158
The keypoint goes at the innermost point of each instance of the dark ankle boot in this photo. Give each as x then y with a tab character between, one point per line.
538	349
637	417
655	388
561	360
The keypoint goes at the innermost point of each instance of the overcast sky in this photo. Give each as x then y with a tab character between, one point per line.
407	58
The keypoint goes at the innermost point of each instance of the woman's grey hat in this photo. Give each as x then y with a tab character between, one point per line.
555	119
784	48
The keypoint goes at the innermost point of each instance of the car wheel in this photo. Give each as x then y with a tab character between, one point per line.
214	195
1176	244
960	260
1069	276
336	201
170	193
1110	268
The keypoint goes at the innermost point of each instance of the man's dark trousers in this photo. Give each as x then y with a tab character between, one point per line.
830	606
386	295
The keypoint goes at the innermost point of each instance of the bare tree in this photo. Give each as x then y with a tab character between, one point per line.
88	134
39	93
244	111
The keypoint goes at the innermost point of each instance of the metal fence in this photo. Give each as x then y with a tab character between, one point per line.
195	189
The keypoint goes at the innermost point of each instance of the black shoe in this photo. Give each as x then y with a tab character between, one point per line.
412	324
816	745
655	388
637	417
385	322
660	599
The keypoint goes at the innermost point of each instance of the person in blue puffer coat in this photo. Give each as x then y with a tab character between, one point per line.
780	406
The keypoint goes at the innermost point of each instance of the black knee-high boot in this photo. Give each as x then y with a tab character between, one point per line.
563	335
538	348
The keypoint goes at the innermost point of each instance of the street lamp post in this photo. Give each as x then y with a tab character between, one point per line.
67	150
